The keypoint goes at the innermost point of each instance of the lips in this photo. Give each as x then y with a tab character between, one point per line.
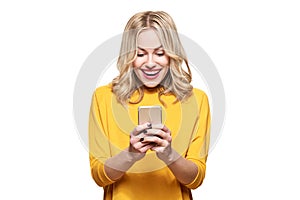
151	74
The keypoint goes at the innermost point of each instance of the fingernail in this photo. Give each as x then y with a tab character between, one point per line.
142	139
144	131
149	125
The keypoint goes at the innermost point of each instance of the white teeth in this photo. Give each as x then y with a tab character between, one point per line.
151	73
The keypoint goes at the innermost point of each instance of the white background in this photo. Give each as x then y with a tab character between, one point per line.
255	46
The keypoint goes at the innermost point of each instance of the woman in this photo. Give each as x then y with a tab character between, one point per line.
149	161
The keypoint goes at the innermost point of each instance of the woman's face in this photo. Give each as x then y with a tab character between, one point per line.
151	64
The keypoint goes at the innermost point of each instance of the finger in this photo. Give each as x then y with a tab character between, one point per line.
158	141
155	148
166	129
138	144
146	147
142	147
159	133
141	135
155	132
162	127
140	128
136	140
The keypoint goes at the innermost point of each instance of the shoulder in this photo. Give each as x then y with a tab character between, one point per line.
201	97
103	90
199	93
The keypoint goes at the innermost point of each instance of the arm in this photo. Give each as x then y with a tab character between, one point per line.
99	146
105	168
116	166
190	169
184	170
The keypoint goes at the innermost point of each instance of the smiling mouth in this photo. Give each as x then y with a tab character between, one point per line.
151	73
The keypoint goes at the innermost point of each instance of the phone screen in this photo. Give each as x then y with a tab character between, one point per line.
152	114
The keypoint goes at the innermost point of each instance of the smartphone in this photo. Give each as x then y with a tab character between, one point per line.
152	114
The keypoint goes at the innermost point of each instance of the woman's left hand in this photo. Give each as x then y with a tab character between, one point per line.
184	170
161	135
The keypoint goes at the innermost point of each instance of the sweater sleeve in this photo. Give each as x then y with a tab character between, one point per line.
99	146
198	149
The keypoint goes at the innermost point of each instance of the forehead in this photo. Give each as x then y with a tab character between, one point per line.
148	39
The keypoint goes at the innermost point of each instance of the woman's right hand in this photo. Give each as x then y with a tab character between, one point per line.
137	147
116	166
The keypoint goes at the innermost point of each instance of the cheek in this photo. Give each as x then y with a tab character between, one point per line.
166	69
164	61
138	62
134	64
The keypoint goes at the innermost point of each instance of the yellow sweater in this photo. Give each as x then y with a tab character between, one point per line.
110	125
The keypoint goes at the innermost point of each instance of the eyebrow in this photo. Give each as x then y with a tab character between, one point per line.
154	48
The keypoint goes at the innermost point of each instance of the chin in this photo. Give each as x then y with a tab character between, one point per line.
151	85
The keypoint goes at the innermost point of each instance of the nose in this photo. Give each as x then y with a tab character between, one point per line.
150	62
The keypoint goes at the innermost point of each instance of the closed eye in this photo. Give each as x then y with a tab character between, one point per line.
140	55
160	54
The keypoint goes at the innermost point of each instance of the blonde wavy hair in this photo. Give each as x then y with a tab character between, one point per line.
177	80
